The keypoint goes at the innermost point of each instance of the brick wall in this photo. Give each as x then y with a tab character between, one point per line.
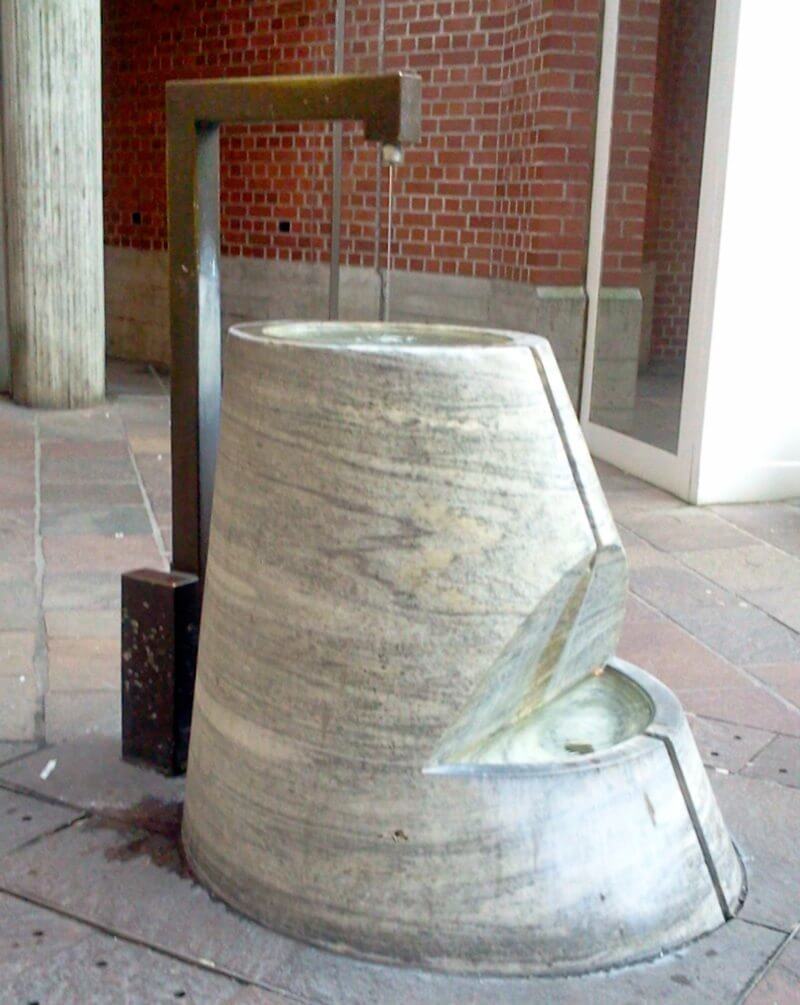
498	187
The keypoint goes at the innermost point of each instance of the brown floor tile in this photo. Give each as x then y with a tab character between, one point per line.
687	530
68	470
91	450
744	570
83	664
98	553
104	520
76	624
70	590
784	678
92	494
705	684
782	604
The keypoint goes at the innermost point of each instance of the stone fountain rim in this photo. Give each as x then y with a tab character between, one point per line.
474	337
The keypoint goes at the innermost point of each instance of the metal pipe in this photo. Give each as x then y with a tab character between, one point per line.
336	189
388	105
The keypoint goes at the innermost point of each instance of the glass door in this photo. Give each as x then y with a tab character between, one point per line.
646	218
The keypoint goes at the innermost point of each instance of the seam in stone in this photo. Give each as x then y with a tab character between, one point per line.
711	867
767	965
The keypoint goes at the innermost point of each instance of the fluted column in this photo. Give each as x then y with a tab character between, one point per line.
53	200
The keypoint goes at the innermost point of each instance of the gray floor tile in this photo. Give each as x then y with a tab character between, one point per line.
80	714
11	751
77	965
781	984
741	632
96	873
778	762
31	939
723	745
76	624
23	819
90	773
764	820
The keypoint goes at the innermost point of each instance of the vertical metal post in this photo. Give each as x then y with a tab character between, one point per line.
336	191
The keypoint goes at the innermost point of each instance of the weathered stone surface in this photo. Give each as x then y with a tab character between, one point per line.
411	560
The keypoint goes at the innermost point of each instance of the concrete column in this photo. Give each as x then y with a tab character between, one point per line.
53	200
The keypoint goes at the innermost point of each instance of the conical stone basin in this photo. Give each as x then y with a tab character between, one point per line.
411	741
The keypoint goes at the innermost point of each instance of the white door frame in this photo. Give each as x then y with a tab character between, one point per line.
678	472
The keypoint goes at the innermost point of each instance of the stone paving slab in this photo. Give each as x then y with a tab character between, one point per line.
81	623
687	530
22	819
69	963
31	939
777	523
103	520
81	713
706	684
90	773
783	604
71	590
724	745
111	877
746	570
11	751
83	664
778	762
764	821
781	983
783	678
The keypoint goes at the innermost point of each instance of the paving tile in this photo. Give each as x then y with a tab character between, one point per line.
705	683
105	520
67	591
99	553
257	996
79	713
68	963
100	423
11	751
764	820
82	623
92	494
776	523
781	984
723	745
83	664
90	450
778	762
18	609
20	707
637	611
687	530
745	570
67	470
782	604
144	443
31	939
783	678
741	632
111	876
22	819
90	773
16	572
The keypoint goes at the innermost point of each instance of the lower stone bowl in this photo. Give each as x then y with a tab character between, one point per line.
608	848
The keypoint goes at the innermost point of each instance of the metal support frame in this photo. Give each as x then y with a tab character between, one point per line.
388	105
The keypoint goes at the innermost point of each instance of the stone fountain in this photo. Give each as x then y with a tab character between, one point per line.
411	740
